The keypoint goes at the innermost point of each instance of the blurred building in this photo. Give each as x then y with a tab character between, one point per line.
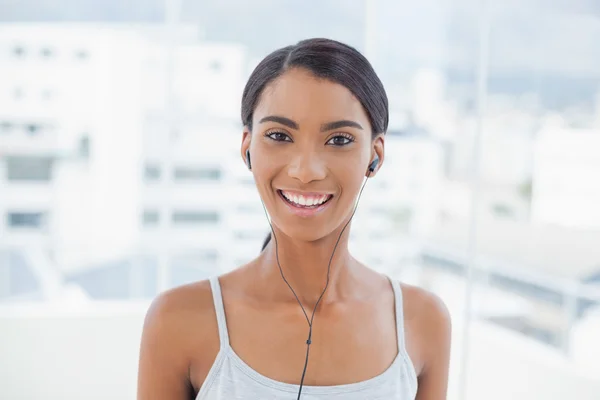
402	200
70	141
566	183
555	270
122	169
191	158
92	159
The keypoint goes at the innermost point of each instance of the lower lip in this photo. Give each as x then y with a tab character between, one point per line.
302	211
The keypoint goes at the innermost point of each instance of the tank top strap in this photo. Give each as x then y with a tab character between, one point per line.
219	310
399	313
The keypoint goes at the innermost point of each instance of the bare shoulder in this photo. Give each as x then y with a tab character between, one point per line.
185	303
425	306
428	325
180	336
184	314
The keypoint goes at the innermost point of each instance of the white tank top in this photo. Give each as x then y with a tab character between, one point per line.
230	378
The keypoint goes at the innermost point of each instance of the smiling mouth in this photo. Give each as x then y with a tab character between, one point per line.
307	202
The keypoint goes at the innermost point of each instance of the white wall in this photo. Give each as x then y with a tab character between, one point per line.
93	354
70	355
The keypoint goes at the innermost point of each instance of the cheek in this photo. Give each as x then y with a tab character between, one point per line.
264	173
352	179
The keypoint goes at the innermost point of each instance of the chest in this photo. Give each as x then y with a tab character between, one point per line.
351	342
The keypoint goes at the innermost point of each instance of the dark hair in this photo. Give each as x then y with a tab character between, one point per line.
327	59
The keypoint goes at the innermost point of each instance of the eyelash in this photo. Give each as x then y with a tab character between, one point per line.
270	135
349	138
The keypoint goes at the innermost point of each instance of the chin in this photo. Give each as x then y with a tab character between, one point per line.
309	230
305	234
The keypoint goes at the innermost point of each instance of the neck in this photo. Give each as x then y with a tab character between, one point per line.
305	267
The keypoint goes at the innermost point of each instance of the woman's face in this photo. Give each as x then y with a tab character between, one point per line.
310	147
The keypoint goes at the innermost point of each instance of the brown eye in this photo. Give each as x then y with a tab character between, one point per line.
278	136
340	140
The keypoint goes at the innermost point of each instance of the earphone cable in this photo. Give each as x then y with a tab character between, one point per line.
310	321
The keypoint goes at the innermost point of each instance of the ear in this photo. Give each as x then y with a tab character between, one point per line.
246	139
377	151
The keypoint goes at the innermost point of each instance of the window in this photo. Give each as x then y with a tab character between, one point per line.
249	208
47	52
195	217
196	174
36	169
33	129
84	146
249	235
247	181
18	93
216	66
195	258
5	126
503	210
27	220
152	172
81	55
47	94
150	217
19	51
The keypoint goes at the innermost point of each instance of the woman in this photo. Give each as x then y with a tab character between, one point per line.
314	117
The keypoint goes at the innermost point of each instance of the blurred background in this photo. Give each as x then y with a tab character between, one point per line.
121	176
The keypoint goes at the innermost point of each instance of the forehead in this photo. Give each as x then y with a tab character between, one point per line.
299	95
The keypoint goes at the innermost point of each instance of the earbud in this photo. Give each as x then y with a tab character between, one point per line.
374	164
248	163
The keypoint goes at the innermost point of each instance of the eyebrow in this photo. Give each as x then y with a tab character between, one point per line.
340	124
325	127
280	120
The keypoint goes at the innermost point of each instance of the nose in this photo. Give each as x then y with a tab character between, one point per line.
307	167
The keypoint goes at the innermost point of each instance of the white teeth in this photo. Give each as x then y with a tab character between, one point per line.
305	201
